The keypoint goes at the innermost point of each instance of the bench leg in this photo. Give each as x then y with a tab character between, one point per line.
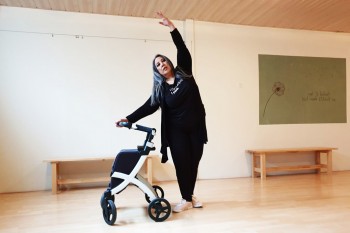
254	174
318	160
263	166
329	162
54	174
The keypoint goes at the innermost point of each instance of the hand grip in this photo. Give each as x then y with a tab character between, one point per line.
125	124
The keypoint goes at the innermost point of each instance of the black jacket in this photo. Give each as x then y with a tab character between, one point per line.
181	102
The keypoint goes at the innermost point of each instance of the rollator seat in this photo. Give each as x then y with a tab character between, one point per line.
124	162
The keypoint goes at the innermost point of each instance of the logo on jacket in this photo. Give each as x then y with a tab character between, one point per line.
173	90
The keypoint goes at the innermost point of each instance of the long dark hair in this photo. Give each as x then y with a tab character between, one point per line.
158	79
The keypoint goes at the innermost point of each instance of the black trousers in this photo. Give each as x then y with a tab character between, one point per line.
186	150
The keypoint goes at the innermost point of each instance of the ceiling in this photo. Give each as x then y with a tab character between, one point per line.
318	15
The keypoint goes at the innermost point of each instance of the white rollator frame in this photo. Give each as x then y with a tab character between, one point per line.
125	171
136	179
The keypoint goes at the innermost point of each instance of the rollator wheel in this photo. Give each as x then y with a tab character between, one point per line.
158	190
159	209
109	212
105	197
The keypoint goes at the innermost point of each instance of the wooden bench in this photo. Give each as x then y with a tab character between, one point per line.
57	180
262	154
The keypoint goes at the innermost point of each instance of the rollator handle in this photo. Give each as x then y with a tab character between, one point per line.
125	124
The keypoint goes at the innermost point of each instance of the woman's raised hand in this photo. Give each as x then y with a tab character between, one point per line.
165	21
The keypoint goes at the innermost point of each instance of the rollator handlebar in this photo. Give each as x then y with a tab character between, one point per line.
137	127
148	144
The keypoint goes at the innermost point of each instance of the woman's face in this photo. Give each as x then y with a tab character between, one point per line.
163	67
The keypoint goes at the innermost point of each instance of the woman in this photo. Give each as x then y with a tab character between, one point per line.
183	127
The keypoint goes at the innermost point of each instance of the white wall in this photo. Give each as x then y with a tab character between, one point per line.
227	67
66	77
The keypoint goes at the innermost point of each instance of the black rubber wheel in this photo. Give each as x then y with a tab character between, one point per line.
159	209
109	212
158	190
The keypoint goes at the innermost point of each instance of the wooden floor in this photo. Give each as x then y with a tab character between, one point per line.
293	203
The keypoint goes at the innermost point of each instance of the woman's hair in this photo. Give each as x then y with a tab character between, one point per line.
158	79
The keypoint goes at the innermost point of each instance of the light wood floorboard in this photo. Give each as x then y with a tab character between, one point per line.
292	203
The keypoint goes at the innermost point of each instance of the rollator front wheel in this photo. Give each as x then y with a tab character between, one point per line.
159	209
109	212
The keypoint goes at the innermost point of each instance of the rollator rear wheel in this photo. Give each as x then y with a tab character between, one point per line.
158	190
109	212
159	209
